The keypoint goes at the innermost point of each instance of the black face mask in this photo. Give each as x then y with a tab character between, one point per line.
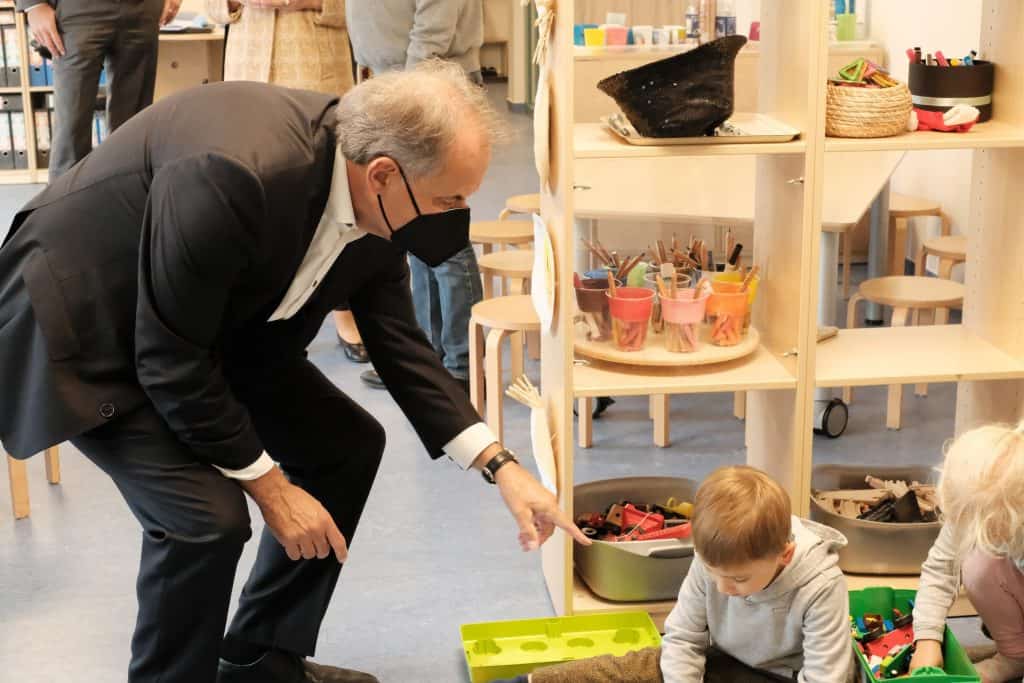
431	237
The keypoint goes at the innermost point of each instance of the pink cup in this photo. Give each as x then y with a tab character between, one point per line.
683	315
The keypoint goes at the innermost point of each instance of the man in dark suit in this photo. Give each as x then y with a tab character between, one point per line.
155	307
82	36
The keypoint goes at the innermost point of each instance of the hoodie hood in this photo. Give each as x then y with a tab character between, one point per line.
817	554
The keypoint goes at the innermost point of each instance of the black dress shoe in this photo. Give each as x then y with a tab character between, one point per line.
354	352
281	667
372	379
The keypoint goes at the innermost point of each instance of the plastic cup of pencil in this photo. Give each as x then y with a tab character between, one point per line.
727	309
751	290
591	296
683	315
651	282
630	308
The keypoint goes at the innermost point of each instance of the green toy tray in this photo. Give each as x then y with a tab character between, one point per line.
505	649
958	668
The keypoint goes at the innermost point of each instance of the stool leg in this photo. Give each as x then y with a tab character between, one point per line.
19	487
53	465
922	317
947	224
495	382
847	263
488	285
919	262
893	416
476	366
661	412
851	323
739	405
650	406
945	268
897	245
515	353
585	427
505	213
486	248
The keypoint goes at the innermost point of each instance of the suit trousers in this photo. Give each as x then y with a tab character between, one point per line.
124	35
195	522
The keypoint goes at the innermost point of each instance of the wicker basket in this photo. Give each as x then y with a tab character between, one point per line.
866	112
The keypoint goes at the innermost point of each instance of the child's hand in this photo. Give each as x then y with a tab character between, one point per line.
928	653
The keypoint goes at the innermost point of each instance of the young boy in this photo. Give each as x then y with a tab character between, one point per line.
764	599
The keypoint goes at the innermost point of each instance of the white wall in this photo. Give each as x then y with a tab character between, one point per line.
953	26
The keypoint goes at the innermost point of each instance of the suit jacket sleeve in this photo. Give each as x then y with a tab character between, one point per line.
199	234
435	403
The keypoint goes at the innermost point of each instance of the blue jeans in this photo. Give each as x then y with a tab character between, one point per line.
443	297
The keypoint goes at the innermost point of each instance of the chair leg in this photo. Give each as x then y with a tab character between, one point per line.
585	423
53	465
739	405
851	323
923	317
19	487
515	353
476	366
847	263
661	420
893	411
495	381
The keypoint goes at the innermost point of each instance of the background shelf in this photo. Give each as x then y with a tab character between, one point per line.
904	355
990	134
593	141
760	370
585	602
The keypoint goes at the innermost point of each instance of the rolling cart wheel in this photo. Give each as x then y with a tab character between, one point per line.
832	419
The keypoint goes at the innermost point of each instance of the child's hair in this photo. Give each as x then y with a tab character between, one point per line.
981	491
740	515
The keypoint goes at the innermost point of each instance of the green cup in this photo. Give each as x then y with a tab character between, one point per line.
846	26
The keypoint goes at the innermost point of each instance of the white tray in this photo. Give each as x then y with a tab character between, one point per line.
740	128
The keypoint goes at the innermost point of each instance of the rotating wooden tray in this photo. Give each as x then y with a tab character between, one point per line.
655	354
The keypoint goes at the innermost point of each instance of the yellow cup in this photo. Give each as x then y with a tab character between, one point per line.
734	276
593	37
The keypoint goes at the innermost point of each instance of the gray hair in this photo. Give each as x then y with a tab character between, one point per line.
413	116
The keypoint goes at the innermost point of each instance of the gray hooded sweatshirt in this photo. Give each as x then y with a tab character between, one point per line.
798	625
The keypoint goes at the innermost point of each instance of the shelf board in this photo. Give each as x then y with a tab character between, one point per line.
874	356
21	176
41	88
989	134
760	370
593	141
177	37
585	602
855	582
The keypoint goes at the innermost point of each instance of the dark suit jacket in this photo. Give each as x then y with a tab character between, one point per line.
148	272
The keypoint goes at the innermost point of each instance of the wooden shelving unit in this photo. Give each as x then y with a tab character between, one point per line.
985	354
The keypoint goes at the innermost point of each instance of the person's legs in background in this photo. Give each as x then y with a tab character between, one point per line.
87	30
458	289
426	301
348	336
131	61
995	587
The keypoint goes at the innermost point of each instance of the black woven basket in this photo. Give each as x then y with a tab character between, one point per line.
686	95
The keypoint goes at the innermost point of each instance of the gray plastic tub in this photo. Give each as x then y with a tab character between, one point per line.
633	571
875	547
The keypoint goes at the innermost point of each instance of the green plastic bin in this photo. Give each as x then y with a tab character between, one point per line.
958	668
505	649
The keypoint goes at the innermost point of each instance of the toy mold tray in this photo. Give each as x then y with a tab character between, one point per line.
746	128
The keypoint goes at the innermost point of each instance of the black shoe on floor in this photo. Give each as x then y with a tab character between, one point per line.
602	404
372	379
281	667
354	352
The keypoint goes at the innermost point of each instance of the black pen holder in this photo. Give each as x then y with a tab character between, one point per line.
939	88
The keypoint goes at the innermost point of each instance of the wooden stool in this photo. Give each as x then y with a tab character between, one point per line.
489	234
513	267
505	316
905	294
18	474
950	249
520	203
902	207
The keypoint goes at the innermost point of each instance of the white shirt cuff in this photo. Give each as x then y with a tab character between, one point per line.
256	470
469	444
29	9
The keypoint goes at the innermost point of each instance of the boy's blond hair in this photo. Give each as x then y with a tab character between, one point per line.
981	490
740	515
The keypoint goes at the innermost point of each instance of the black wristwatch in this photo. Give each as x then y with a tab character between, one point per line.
492	466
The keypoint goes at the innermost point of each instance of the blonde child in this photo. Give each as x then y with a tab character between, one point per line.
764	599
981	492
